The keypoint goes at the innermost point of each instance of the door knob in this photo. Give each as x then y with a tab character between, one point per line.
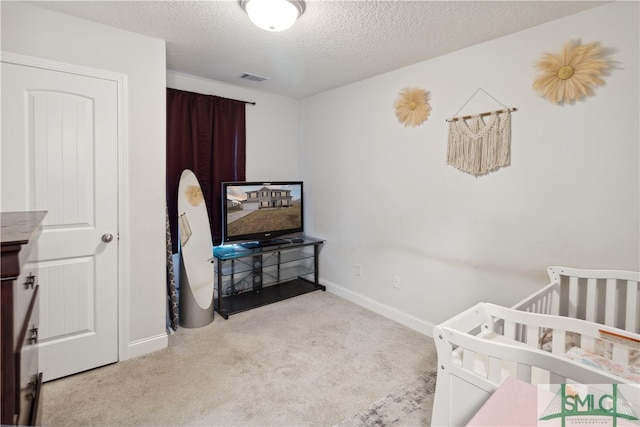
107	237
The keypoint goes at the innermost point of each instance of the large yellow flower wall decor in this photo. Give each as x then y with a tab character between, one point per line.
412	106
571	74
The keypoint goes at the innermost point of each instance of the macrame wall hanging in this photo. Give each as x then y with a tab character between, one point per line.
477	145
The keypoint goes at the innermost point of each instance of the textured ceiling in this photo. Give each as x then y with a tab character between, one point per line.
334	42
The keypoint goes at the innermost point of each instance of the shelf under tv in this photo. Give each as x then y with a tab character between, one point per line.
248	300
248	278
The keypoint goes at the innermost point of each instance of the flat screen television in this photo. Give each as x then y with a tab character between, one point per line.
260	213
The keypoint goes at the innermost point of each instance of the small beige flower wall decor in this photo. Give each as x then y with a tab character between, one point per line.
571	74
412	106
194	195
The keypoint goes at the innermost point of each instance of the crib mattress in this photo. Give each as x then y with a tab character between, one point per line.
630	372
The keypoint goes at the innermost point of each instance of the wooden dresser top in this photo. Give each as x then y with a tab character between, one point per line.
16	228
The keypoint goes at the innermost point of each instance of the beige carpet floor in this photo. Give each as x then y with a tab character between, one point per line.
313	360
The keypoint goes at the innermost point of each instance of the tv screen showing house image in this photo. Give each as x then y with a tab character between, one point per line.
261	211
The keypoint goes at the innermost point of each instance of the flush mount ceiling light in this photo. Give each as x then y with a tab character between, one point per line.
273	15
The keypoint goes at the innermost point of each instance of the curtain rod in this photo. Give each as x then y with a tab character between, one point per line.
217	96
488	113
238	100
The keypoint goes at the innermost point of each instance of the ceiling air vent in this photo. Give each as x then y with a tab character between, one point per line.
254	77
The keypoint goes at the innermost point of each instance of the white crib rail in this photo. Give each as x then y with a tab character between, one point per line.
607	297
527	328
545	301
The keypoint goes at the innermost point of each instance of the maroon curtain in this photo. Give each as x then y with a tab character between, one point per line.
207	135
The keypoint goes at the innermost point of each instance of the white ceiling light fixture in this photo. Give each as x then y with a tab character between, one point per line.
273	15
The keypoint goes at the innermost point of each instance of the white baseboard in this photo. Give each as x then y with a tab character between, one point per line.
382	309
147	345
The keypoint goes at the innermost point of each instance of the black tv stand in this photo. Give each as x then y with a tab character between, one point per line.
252	276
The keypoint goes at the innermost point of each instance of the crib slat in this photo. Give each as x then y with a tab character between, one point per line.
533	336
468	359
543	304
573	297
632	307
548	306
523	372
556	378
610	303
509	329
540	376
590	314
495	370
558	344
562	302
555	296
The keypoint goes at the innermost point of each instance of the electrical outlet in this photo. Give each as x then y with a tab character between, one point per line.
396	281
358	269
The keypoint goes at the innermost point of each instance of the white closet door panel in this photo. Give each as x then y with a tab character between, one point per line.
62	128
68	309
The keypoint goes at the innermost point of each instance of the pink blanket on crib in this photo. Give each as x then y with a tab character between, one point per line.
513	404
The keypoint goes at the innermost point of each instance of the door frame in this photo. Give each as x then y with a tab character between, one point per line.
122	173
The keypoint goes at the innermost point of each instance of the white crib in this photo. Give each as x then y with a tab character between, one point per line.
581	313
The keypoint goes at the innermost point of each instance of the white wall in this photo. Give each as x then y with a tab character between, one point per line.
570	196
383	196
33	31
273	127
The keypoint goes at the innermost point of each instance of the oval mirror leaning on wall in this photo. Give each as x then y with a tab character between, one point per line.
196	252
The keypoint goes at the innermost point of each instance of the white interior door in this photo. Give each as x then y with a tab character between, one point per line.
60	154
